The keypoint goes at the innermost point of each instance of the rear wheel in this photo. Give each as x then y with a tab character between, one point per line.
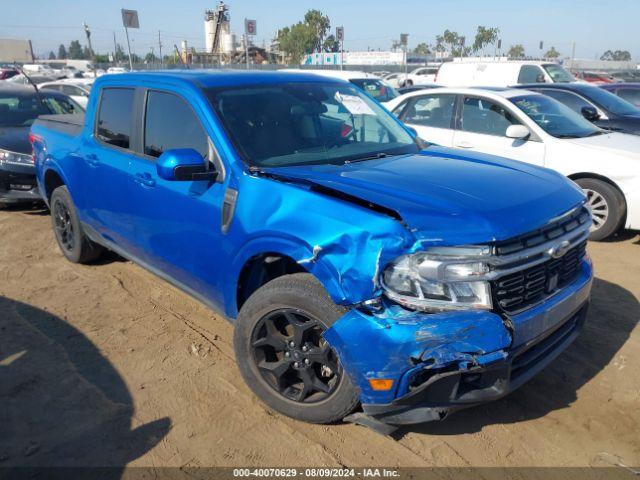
284	358
607	207
73	242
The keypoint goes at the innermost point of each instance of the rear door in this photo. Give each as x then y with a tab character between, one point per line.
105	166
482	126
431	115
178	223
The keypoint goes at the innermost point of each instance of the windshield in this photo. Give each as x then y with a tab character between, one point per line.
377	89
307	123
558	74
609	101
20	109
555	118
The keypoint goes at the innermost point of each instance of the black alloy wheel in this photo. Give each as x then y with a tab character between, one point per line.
293	358
63	225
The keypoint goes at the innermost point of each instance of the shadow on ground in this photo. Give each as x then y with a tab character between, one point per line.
613	315
62	402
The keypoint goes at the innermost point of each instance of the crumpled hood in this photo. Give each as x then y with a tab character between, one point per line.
447	197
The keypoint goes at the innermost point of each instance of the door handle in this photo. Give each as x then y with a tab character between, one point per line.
144	179
464	145
92	160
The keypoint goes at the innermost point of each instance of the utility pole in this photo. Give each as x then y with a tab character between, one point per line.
573	54
126	31
160	49
88	33
115	49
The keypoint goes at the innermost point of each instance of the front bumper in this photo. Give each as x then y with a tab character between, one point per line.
633	210
443	362
18	185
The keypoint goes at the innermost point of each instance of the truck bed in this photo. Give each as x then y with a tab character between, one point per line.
69	124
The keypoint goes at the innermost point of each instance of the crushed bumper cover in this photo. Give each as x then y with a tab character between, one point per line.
440	363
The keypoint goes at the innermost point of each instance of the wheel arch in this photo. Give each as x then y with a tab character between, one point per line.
266	258
595	176
52	180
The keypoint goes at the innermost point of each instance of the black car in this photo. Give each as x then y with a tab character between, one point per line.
20	105
603	108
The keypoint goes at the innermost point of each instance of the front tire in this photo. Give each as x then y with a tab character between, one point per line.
607	207
73	242
282	355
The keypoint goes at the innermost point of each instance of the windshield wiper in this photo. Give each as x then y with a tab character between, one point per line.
364	158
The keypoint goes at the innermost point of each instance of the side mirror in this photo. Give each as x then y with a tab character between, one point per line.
517	132
590	113
413	131
184	164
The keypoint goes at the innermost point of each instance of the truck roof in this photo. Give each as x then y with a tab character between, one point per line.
213	78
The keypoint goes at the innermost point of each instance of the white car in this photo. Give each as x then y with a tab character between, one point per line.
77	89
116	70
536	129
372	85
420	76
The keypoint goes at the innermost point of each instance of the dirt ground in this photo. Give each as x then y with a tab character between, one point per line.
109	365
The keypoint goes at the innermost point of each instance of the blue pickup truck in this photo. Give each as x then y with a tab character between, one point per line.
369	276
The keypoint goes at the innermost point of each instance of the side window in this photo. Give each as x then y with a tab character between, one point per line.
114	121
531	74
571	100
171	123
631	95
486	117
398	110
431	111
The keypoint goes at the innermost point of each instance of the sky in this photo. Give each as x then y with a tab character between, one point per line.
594	25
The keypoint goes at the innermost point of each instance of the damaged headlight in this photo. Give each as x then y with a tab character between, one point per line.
442	278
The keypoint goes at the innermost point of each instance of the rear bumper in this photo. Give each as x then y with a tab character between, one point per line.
18	185
440	363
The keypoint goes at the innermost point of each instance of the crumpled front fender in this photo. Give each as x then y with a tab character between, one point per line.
389	343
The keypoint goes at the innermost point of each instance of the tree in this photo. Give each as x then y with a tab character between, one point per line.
422	49
86	53
618	55
52	56
62	52
307	36
452	42
119	55
516	51
552	53
319	24
485	37
331	44
75	50
101	58
150	58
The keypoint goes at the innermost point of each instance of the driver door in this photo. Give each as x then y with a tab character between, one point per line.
482	127
177	223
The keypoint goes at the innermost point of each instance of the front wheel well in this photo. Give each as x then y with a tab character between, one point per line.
261	269
51	181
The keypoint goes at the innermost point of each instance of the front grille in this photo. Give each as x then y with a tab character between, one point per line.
517	291
551	231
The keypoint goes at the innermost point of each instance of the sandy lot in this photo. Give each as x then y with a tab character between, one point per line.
109	365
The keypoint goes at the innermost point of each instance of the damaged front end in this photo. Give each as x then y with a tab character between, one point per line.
432	345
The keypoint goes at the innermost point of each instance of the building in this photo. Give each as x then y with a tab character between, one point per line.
217	30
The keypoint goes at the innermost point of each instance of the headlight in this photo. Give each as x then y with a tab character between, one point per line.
13	158
440	279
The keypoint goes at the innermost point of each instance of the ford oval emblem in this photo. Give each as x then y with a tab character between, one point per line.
560	249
